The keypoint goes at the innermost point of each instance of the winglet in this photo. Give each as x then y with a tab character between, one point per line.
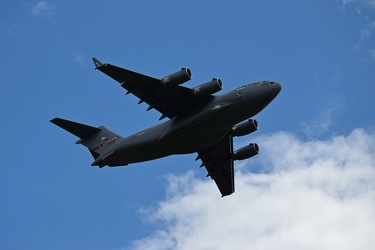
97	63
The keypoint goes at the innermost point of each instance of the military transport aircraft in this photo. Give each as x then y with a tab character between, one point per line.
198	122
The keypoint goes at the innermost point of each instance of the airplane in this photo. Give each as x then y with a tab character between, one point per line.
199	122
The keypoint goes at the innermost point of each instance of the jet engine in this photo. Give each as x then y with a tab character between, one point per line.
208	88
246	152
245	128
177	78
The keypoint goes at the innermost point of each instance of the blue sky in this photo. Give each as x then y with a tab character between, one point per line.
311	187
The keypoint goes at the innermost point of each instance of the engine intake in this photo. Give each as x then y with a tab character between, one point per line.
246	152
245	128
177	78
208	88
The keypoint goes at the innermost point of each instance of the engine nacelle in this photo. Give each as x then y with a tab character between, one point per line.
245	128
246	152
177	78
208	88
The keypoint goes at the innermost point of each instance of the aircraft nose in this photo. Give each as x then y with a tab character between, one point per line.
274	89
277	87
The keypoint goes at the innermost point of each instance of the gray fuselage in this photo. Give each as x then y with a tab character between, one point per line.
195	129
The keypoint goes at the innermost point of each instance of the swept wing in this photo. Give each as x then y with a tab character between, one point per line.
166	99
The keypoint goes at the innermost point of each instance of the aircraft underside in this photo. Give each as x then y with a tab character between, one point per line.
199	122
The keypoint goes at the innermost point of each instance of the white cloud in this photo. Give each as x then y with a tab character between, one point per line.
80	59
42	9
11	29
365	34
372	54
320	125
314	195
364	8
369	3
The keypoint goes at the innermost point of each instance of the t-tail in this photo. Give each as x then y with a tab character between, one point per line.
97	140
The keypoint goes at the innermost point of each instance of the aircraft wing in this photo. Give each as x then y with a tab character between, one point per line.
166	99
219	163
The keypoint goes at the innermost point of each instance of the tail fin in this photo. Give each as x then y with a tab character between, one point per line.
95	139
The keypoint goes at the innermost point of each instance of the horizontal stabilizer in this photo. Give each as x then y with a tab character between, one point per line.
97	140
80	130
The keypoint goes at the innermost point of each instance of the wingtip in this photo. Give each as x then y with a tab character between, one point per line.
54	120
97	63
